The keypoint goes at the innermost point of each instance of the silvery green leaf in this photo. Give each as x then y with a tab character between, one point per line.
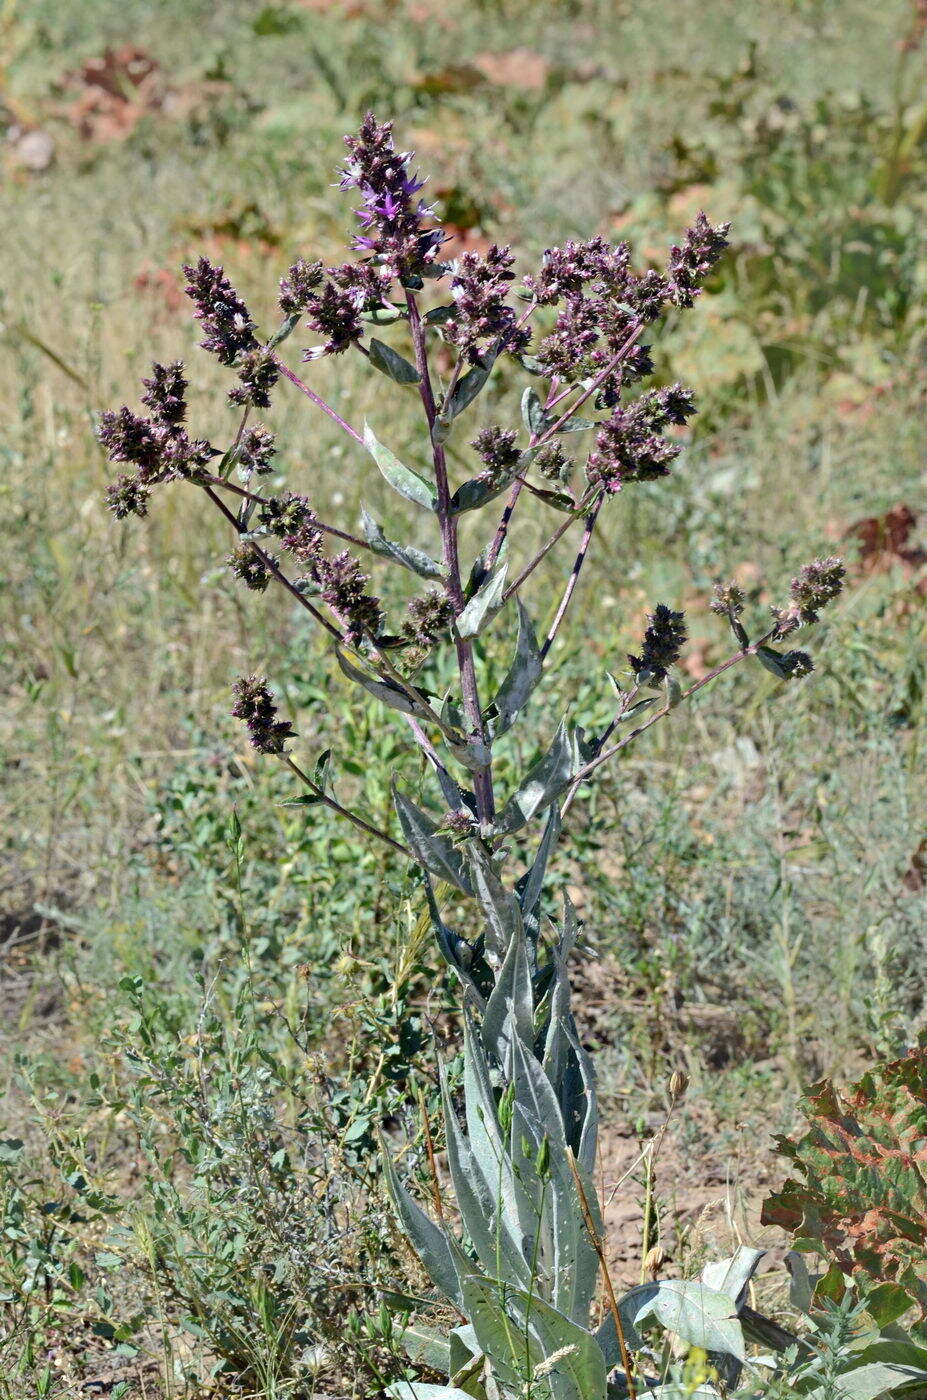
731	1276
467	389
465	1349
435	852
869	1381
485	603
384	690
475	493
497	1335
440	1253
404	554
285	329
697	1314
801	1287
427	1346
386	315
471	753
560	500
456	951
523	675
673	692
532	413
500	908
531	884
557	1045
439	314
544	783
408	483
577	425
478	1204
740	632
773	661
389	362
510	1008
490	1157
584	1106
424	1390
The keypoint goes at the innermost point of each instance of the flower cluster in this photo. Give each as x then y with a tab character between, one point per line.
497	447
230	333
663	641
482	317
247	565
256	446
695	260
565	271
814	586
428	619
255	705
299	286
342	582
391	216
727	600
158	447
552	463
286	515
630	445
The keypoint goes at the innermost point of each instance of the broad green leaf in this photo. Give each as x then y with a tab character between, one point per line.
456	951
544	783
484	605
408	483
496	1333
772	660
731	1276
389	362
436	852
697	1314
523	675
422	1390
870	1381
531	884
404	554
531	1332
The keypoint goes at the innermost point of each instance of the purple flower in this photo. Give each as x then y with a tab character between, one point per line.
299	285
255	449
127	496
428	619
814	586
166	396
255	705
391	215
663	642
258	373
498	448
342	584
482	316
286	515
220	311
629	445
246	564
692	263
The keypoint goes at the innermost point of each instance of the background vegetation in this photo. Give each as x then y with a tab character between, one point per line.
208	1003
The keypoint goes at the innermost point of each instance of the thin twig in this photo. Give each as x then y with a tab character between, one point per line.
430	1150
320	402
574	574
352	817
264	500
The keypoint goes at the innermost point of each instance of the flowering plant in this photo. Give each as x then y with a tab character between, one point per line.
524	1272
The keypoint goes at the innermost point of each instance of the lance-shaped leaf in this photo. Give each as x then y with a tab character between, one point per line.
479	1205
456	951
523	675
427	1346
404	554
389	362
510	1007
467	388
499	906
532	413
517	1215
434	851
475	493
386	691
444	1260
425	1390
402	479
497	1334
870	1381
485	603
528	1334
531	884
544	784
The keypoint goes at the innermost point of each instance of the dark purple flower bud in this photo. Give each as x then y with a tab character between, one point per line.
246	564
663	642
305	544
551	463
647	295
258	375
128	438
458	825
814	586
166	396
566	271
221	312
728	600
428	619
255	449
798	664
499	451
127	496
255	705
286	515
334	314
298	287
181	455
482	315
342	585
391	215
691	264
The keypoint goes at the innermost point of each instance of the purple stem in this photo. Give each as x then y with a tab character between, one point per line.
482	778
310	394
574	574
